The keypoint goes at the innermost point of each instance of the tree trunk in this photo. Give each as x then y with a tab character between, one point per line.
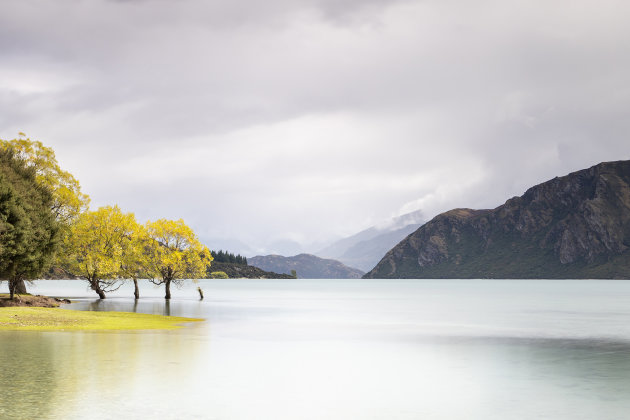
136	291
11	288
20	287
168	289
97	288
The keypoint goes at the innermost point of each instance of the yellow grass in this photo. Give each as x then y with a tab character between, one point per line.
55	319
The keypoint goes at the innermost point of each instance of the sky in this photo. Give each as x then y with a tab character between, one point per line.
263	124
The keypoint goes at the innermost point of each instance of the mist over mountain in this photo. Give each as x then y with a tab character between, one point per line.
364	250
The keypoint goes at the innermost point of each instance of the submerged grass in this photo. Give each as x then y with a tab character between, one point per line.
54	319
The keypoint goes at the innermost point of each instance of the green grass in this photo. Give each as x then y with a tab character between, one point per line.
54	319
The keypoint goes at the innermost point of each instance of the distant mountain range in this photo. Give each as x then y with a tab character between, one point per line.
280	246
307	266
366	248
576	226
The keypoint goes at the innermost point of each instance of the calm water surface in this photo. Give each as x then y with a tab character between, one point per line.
334	349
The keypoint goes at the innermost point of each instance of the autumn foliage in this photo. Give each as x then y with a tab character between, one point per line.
103	247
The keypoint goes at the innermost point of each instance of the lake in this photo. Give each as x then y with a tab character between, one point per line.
334	349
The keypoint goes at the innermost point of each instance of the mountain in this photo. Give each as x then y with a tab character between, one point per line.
240	271
576	226
364	249
307	266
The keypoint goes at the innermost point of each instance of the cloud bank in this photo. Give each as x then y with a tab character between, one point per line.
309	120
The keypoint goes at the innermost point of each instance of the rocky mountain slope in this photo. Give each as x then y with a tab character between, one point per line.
364	250
576	226
307	266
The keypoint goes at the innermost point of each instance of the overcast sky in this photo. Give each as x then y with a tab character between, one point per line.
307	120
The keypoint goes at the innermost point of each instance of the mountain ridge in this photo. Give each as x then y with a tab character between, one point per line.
575	226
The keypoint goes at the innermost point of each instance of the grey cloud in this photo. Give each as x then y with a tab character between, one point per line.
330	115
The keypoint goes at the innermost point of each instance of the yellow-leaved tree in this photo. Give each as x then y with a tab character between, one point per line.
96	246
174	253
134	259
68	200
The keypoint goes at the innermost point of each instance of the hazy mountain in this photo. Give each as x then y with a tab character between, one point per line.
366	254
307	266
576	226
364	249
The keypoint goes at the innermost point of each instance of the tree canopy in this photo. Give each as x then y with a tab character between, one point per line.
174	253
228	257
67	199
99	244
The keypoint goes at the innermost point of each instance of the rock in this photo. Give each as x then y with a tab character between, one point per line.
63	300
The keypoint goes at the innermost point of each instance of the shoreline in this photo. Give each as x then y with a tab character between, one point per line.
42	313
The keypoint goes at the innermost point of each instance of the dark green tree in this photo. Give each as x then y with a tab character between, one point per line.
28	229
228	257
67	199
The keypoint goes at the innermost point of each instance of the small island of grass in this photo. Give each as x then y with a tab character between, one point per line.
38	313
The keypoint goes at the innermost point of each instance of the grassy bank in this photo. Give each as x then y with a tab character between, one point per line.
55	319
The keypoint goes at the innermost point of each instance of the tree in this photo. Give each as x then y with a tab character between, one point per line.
96	246
174	253
28	230
134	255
67	199
228	257
219	275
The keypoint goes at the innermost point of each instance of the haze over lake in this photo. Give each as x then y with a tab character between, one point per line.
335	349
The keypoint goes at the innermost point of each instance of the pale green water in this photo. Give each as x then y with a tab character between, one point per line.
336	349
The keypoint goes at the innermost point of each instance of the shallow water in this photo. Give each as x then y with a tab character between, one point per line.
334	349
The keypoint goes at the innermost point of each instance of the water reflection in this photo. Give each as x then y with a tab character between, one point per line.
29	378
95	375
194	309
340	350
